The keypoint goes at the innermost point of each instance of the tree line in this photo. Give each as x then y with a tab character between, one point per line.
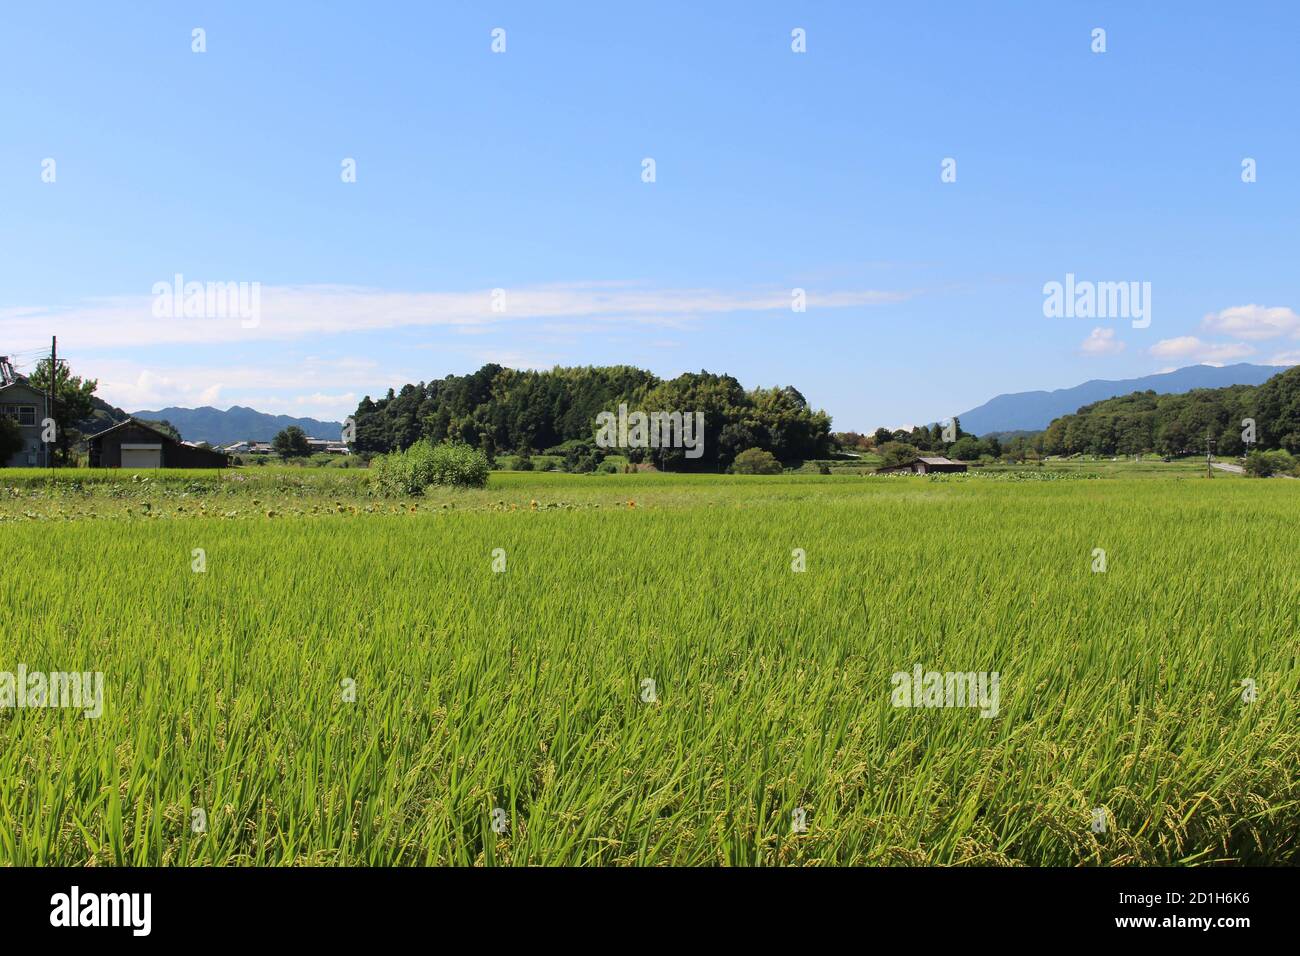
1179	424
499	409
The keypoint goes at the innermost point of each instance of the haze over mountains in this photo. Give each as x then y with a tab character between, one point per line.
1034	411
237	423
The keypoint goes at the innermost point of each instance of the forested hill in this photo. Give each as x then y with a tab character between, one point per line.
501	409
1174	424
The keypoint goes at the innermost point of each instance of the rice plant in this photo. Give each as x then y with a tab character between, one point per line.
652	669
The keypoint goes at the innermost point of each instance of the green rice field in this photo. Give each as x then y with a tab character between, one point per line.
628	670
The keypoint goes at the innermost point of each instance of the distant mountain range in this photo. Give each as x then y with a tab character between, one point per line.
1034	411
236	423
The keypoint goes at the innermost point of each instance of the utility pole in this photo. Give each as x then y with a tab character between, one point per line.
1209	469
49	402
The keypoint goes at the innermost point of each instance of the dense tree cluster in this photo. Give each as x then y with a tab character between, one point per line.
1179	424
853	441
498	409
291	443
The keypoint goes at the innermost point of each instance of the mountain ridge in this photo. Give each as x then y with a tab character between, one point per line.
1034	410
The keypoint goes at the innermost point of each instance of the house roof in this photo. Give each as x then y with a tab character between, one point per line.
132	421
20	382
938	461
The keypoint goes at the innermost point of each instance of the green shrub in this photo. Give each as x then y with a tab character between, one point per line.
409	472
581	458
1263	464
524	463
1258	465
756	461
897	453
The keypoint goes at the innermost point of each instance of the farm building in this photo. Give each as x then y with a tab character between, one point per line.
26	406
924	466
247	448
317	446
133	444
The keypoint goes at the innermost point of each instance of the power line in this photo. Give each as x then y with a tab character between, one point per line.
29	353
26	358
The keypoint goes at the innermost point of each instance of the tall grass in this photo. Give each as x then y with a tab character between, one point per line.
410	471
523	689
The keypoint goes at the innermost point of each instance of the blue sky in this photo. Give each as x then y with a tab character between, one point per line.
522	171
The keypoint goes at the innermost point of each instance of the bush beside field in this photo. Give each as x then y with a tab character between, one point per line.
410	472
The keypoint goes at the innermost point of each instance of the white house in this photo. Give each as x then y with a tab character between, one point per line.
29	408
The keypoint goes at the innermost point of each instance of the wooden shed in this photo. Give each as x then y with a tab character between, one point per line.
133	444
925	466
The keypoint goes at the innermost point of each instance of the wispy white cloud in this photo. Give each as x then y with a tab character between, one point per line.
1102	341
296	312
1253	322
